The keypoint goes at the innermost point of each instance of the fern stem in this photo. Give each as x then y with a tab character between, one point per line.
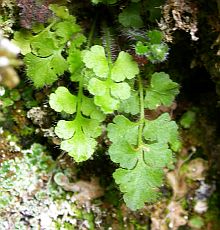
79	98
108	44
91	34
108	51
141	97
80	90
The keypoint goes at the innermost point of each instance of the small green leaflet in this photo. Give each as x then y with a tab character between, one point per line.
123	135
79	134
188	118
110	88
63	100
141	172
123	130
43	47
45	71
139	185
162	91
130	105
124	67
43	44
21	39
154	49
95	59
154	130
107	103
141	49
155	36
154	52
88	108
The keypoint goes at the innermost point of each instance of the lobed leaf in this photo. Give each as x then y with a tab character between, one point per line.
43	47
80	137
64	30
123	129
139	185
43	44
124	153
65	129
157	155
140	181
97	87
120	90
130	105
162	130
124	67
108	93
107	103
63	100
88	108
62	12
90	127
162	91
95	59
80	146
22	40
45	71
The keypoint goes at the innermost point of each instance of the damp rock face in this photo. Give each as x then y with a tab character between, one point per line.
28	199
38	116
87	190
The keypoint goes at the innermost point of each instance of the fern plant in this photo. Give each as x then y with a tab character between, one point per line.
106	85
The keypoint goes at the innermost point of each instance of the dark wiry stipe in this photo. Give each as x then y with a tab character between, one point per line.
114	47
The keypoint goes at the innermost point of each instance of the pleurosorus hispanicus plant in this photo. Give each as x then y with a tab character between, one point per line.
108	94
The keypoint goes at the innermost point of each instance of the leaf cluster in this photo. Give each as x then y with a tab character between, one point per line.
108	85
79	134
